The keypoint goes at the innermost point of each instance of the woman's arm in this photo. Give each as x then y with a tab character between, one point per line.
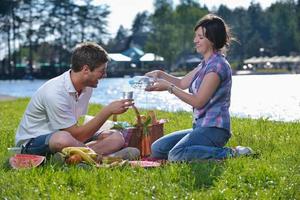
207	88
182	83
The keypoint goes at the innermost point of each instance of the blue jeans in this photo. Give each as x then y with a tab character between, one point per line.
193	144
38	145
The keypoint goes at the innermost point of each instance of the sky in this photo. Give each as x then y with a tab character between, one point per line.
123	12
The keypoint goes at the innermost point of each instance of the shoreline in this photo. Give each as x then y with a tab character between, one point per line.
249	72
4	97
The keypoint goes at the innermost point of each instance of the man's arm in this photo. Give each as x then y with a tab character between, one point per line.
86	131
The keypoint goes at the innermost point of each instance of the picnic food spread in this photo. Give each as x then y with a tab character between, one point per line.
77	155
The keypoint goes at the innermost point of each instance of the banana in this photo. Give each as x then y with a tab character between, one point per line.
88	151
87	157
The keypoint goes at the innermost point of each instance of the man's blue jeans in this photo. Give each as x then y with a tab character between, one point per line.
193	144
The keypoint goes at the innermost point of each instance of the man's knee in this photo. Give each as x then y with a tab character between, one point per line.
118	138
60	140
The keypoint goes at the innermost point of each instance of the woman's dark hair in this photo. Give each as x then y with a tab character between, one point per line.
216	30
88	53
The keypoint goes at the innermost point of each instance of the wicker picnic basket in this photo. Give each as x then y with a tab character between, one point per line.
143	135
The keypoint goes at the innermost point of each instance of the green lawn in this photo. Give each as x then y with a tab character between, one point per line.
275	174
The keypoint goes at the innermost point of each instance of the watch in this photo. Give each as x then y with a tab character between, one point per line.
170	89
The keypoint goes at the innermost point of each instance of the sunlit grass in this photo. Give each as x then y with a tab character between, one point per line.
275	174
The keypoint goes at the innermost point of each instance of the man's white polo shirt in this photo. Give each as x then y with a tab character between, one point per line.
55	105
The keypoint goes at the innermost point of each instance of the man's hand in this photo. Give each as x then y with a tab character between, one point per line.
120	106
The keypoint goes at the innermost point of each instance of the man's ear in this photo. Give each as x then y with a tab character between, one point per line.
85	69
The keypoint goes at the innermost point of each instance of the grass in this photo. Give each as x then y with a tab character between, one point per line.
275	174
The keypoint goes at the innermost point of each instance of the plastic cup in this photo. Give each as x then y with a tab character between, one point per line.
128	95
14	150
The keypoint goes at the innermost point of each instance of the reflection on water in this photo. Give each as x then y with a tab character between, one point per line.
275	97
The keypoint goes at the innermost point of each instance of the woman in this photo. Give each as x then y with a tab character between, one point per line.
209	94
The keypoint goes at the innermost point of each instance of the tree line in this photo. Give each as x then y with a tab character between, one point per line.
46	31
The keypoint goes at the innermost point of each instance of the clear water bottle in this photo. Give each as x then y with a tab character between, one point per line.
141	82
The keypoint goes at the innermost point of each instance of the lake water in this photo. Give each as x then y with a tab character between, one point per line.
275	97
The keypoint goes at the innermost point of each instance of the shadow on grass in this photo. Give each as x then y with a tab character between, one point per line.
205	173
5	165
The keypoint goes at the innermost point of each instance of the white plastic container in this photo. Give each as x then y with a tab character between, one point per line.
14	150
141	82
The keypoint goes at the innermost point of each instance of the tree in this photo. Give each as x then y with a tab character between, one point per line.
58	23
298	27
140	29
283	33
91	23
120	42
235	29
31	13
258	37
187	13
8	26
241	29
141	23
163	33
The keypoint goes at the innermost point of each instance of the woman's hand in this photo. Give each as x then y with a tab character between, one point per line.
159	85
120	106
156	74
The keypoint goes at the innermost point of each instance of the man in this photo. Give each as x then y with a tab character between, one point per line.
50	121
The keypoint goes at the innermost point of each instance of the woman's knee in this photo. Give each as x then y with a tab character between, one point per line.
158	150
156	147
175	154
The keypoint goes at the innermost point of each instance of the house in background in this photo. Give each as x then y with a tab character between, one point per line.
151	61
290	63
187	61
140	62
118	65
135	54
